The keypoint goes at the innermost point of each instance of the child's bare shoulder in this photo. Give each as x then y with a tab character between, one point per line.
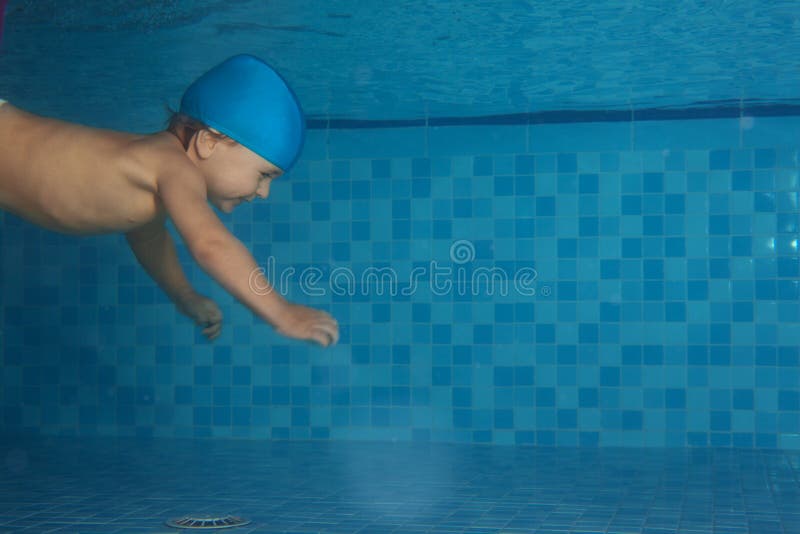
164	155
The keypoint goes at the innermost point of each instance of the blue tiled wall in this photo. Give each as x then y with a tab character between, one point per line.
664	309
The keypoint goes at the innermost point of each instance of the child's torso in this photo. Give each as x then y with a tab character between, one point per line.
74	179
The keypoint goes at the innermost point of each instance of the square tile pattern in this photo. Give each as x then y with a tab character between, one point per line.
590	284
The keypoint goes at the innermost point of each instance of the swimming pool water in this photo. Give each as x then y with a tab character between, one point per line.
650	385
430	59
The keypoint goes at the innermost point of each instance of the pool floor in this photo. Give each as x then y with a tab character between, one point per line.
119	485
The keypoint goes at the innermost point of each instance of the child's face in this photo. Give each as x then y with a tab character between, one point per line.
235	174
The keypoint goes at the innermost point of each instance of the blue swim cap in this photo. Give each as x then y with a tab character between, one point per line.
245	99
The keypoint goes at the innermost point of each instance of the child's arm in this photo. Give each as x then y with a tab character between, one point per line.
153	246
224	257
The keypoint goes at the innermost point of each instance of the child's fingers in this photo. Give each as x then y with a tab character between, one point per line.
325	330
212	331
333	332
215	314
328	331
321	337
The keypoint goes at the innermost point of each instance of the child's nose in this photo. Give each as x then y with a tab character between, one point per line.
263	190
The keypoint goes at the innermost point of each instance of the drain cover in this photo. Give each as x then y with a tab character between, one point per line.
196	522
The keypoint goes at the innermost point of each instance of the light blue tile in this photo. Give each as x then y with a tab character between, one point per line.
480	140
682	135
316	145
762	132
580	137
378	143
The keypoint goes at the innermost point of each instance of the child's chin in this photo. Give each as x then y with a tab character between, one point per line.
225	206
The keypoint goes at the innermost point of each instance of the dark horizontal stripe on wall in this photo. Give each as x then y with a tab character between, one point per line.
725	109
656	114
348	124
772	110
538	117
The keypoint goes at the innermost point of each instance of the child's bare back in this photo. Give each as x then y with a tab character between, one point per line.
74	179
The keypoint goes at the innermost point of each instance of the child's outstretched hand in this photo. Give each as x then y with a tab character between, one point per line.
301	322
204	312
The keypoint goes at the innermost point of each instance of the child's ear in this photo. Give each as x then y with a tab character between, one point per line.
204	143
